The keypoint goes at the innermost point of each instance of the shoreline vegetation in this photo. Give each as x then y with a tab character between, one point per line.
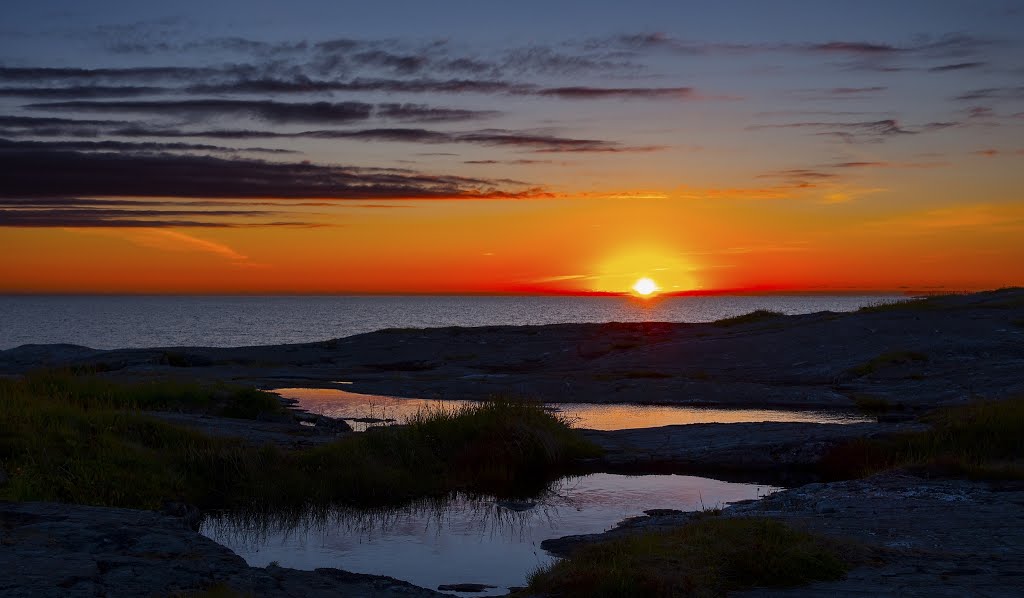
706	558
710	556
80	439
88	436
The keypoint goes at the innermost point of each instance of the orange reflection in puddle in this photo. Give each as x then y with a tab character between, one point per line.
333	402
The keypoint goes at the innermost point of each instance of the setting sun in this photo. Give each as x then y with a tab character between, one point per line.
645	286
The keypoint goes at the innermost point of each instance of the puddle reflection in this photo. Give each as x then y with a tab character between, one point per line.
465	539
377	409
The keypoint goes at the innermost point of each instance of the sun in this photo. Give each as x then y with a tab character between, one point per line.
645	286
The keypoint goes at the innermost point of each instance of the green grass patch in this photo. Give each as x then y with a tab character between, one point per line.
754	316
888	359
709	557
86	447
983	440
91	392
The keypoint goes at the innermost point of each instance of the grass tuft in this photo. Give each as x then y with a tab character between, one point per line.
983	440
709	557
754	316
915	304
79	442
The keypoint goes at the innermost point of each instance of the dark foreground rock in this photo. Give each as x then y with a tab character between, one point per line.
55	550
934	538
739	447
915	357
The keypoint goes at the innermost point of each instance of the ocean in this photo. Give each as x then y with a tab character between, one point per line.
109	322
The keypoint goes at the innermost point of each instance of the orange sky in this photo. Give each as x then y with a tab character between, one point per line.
878	146
580	245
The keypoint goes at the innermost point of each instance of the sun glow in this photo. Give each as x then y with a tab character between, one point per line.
645	286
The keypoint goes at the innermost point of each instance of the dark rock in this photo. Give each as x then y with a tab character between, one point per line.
53	550
808	361
465	587
742	446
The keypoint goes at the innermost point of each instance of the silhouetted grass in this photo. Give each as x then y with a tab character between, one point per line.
916	304
984	440
754	316
91	392
79	447
709	557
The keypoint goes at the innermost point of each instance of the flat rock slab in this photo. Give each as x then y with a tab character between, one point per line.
256	432
942	351
70	551
738	446
936	538
940	537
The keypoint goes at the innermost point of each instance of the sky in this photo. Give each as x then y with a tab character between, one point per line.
319	146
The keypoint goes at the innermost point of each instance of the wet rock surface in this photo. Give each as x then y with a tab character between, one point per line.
915	357
933	537
54	550
740	446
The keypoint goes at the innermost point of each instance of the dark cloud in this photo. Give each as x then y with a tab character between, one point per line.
81	91
450	86
12	218
116	146
489	137
845	91
427	114
589	93
514	162
854	47
306	85
404	64
273	111
547	61
875	130
35	173
958	66
798	173
37	74
994	93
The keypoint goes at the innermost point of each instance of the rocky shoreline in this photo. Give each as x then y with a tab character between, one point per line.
933	537
915	356
927	537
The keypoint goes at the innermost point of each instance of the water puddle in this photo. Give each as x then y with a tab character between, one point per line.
465	539
362	411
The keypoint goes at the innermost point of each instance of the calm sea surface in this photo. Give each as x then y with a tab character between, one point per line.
109	322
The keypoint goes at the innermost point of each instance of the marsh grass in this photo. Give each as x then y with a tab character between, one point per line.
88	447
910	304
93	392
754	316
983	440
705	558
